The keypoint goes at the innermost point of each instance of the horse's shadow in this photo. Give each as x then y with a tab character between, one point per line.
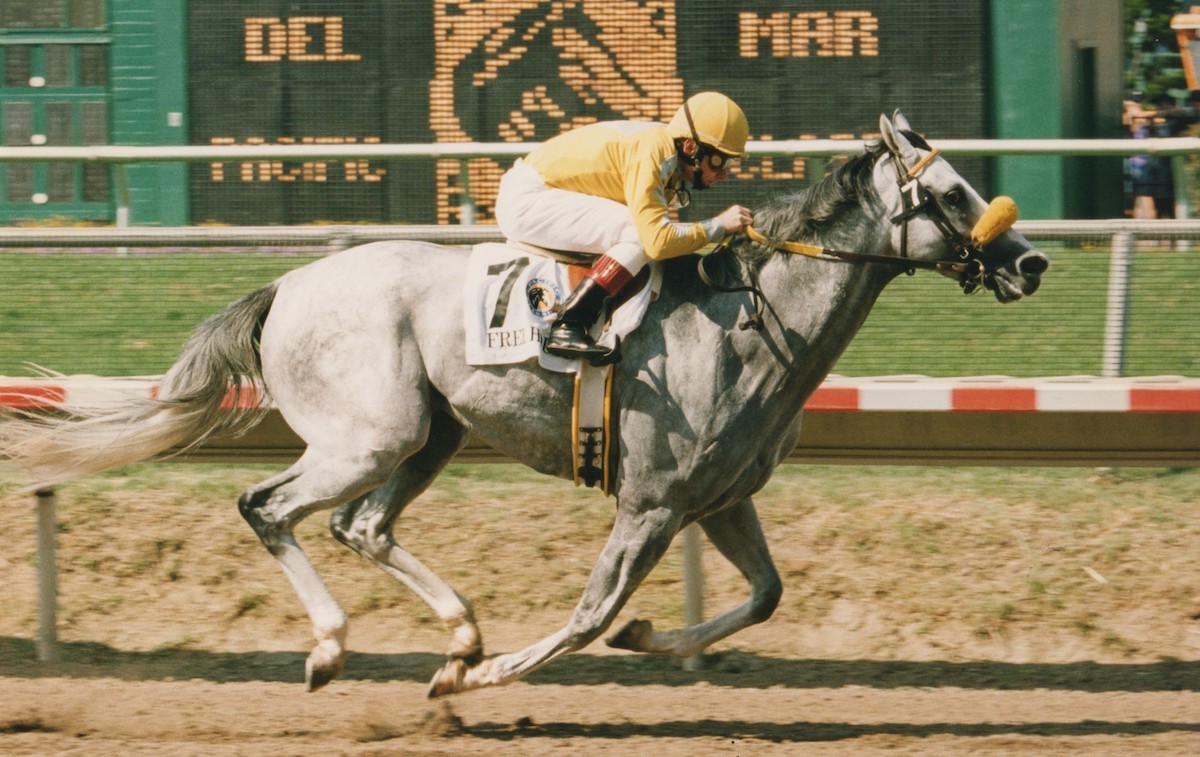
733	669
806	731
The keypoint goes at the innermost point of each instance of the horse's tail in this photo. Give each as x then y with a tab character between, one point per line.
214	386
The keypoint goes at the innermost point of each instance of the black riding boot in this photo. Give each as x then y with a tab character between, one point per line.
568	335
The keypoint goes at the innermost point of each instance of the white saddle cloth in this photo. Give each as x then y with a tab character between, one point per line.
509	297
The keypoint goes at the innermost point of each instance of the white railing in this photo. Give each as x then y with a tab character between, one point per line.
119	156
814	148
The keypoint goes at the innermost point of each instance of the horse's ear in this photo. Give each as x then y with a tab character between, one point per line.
896	142
900	121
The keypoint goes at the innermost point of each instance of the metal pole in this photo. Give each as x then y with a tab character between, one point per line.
693	586
1179	174
1183	195
466	208
1116	316
121	177
47	520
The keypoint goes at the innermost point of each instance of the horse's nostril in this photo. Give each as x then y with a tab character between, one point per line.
1032	263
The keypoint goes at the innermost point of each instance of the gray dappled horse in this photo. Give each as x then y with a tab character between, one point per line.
363	354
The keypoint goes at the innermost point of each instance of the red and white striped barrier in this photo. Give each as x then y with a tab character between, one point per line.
998	394
990	394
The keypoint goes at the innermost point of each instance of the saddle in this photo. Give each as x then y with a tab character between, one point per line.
579	263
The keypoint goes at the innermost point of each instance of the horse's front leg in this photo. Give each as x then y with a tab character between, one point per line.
738	535
637	542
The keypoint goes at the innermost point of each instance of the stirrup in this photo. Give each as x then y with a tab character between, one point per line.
596	355
570	342
572	351
610	357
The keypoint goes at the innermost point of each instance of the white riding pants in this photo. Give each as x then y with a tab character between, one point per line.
529	211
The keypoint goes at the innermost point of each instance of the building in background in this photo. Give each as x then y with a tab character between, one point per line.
1057	73
88	72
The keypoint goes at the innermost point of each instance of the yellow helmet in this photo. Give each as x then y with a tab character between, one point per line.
712	119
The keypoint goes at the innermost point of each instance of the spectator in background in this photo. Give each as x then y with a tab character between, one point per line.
1135	115
1149	177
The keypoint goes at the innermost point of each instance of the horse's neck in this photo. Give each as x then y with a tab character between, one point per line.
822	301
826	301
819	306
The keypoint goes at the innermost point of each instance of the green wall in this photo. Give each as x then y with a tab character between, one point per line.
1056	74
1027	105
148	86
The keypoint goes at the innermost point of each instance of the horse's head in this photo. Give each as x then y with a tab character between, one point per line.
938	216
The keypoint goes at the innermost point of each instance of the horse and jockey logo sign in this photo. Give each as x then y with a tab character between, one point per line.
542	67
527	70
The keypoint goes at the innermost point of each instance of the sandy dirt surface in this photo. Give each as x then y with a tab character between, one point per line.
966	622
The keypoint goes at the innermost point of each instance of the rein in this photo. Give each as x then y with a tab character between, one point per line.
969	271
816	251
757	298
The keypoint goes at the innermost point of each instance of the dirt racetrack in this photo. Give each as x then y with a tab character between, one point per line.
927	611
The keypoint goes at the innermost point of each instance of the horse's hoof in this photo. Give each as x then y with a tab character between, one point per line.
632	636
449	679
322	666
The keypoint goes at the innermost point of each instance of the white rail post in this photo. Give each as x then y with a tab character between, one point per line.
1179	174
121	179
1116	314
1183	195
466	208
47	520
693	586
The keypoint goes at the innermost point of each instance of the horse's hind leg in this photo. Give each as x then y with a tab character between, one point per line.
365	525
317	481
736	532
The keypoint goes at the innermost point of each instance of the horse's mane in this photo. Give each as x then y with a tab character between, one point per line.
812	215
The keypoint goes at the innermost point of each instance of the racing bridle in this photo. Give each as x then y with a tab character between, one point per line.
968	266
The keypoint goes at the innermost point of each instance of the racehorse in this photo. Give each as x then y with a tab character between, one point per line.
362	353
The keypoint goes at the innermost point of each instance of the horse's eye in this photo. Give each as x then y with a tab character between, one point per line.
955	197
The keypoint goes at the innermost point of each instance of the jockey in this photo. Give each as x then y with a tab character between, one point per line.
607	188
